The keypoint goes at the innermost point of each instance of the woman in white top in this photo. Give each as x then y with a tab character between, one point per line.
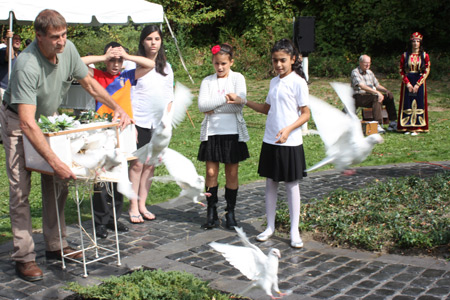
152	92
223	133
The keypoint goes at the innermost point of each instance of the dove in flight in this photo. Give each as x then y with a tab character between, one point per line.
261	269
152	153
116	168
183	172
341	133
100	159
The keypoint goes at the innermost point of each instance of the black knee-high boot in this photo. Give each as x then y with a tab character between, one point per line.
230	196
211	211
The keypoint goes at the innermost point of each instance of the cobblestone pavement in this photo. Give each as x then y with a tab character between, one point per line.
175	241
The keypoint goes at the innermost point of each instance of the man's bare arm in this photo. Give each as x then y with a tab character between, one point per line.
34	134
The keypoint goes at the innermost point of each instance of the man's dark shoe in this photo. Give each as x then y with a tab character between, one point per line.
120	227
29	271
57	254
101	232
392	126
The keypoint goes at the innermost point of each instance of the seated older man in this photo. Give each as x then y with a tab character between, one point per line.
369	93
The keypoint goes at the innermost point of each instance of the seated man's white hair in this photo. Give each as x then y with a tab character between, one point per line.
362	57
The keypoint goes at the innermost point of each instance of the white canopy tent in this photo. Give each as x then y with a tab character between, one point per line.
87	12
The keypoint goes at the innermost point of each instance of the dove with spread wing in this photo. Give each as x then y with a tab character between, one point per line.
100	158
341	133
152	153
116	168
261	269
183	172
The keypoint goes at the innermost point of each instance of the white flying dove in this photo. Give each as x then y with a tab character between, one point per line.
183	172
116	167
151	154
261	269
341	133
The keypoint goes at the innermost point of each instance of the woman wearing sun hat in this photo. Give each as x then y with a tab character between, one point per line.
414	69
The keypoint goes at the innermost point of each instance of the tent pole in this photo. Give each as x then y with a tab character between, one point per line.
10	44
178	49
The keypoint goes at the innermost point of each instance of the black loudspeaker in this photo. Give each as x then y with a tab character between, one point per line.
304	34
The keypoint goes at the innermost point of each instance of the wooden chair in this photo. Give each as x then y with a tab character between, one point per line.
367	115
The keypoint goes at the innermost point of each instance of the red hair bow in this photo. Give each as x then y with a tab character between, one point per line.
215	49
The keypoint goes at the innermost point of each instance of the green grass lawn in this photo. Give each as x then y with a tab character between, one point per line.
397	148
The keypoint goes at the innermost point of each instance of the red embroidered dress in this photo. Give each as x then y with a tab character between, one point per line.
413	108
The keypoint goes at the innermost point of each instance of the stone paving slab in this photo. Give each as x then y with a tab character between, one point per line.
175	241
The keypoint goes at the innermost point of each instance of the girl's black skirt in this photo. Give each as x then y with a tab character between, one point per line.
282	163
224	149
144	136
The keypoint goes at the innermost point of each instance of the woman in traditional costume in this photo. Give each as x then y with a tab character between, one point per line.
414	69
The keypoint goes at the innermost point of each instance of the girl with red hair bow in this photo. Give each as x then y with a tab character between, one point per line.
223	133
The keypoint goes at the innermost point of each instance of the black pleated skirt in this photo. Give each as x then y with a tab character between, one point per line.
224	149
282	163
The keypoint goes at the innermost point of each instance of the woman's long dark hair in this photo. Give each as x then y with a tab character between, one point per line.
161	59
287	46
421	55
409	48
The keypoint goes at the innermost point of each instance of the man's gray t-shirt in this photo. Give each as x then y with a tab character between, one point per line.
34	80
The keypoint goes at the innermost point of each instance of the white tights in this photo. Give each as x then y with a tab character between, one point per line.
293	196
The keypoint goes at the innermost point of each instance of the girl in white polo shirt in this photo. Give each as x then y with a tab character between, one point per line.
282	157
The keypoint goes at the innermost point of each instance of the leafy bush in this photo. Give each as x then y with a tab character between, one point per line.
252	58
148	285
400	213
331	66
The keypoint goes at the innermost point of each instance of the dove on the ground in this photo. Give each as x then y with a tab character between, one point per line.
183	172
152	153
341	133
261	269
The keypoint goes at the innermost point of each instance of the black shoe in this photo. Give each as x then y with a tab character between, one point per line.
211	210
211	217
67	252
230	220
120	227
230	196
392	126
101	232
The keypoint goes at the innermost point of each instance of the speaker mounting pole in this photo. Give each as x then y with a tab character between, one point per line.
304	40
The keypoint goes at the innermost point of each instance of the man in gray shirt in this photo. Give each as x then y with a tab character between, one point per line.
39	80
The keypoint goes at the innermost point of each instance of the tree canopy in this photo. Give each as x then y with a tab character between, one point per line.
343	30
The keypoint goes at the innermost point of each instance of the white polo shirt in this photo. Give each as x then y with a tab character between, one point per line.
286	96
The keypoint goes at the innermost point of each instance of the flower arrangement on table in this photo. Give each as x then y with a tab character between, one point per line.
56	123
89	145
63	122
